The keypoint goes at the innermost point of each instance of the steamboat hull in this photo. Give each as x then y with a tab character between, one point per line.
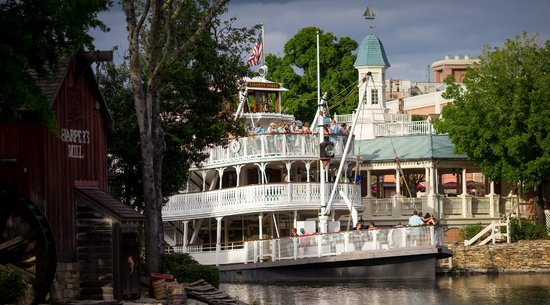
388	265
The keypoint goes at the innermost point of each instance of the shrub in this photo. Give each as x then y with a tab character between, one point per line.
469	231
190	273
528	230
12	287
187	270
170	261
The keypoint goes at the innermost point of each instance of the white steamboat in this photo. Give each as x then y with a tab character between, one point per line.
241	204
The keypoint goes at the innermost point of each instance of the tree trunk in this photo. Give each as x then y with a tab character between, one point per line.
147	102
539	205
153	218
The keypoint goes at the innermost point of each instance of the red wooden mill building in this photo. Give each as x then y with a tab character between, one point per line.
58	224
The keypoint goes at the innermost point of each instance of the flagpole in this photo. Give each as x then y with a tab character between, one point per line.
263	45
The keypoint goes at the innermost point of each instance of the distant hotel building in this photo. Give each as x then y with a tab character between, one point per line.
404	96
397	88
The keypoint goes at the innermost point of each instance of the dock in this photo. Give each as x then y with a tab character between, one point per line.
206	293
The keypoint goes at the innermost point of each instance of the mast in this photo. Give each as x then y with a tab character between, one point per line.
347	145
318	71
323	218
318	83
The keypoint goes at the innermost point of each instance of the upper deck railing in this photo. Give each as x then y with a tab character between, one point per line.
256	198
394	124
388	118
272	146
403	128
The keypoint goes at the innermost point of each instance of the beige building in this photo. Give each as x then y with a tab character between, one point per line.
456	66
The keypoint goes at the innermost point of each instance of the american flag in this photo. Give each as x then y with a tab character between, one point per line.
256	55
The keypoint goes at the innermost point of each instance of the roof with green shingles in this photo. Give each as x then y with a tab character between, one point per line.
371	53
408	148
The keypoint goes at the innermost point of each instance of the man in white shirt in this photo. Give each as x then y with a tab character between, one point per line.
415	220
334	128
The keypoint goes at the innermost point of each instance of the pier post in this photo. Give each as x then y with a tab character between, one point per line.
218	239
185	235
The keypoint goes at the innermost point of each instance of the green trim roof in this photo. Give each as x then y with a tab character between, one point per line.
408	148
371	53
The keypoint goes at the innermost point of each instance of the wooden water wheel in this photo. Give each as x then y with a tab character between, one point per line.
26	243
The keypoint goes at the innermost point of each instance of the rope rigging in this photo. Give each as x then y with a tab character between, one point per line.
345	97
396	157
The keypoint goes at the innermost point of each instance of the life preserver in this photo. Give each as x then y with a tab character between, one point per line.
235	146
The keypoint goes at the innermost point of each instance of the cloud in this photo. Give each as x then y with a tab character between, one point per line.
414	33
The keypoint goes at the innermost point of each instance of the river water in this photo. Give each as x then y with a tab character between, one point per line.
508	289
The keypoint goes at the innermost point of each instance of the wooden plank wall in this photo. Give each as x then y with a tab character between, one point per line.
47	163
95	243
80	149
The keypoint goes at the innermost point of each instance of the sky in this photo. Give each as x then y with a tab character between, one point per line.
414	33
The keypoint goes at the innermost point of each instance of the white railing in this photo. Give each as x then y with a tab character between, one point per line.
319	245
451	207
397	117
252	148
481	205
348	119
495	229
396	205
331	244
378	206
255	198
403	128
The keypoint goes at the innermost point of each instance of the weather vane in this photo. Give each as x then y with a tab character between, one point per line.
369	15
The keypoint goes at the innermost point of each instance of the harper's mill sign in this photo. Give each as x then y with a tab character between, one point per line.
75	139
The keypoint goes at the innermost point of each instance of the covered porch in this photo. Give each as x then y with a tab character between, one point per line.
422	172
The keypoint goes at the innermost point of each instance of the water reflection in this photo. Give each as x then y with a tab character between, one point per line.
519	289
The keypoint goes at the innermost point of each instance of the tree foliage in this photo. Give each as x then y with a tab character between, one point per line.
191	112
33	37
297	70
500	117
182	66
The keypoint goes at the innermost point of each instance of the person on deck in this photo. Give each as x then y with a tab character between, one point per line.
413	237
259	130
428	220
272	128
304	239
372	226
294	128
344	132
358	237
305	128
415	220
334	128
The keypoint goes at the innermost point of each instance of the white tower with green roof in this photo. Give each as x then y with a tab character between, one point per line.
371	65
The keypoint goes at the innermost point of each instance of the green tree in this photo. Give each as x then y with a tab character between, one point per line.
174	102
190	113
34	35
124	159
500	117
297	70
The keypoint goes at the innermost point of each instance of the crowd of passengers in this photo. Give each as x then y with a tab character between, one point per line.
283	128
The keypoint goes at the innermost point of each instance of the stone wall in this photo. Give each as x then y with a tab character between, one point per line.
520	256
66	285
